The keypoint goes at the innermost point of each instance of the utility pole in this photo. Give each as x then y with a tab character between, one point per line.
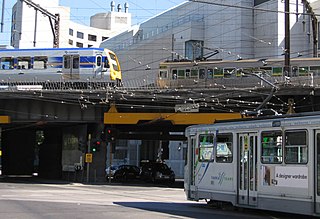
287	38
2	15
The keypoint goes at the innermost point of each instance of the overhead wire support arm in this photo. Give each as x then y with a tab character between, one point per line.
55	17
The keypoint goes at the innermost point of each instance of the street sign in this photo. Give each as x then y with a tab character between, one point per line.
88	158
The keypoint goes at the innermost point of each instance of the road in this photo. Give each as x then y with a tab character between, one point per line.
74	200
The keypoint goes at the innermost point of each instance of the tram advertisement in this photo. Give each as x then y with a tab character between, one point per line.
285	176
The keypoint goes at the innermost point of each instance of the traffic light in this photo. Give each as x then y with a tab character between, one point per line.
96	146
111	134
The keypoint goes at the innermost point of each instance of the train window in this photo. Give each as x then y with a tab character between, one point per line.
218	72
210	73
181	73
202	73
99	61
206	147
76	62
174	74
194	73
6	63
24	62
188	73
114	62
163	74
277	71
66	62
228	72
271	151
224	148
315	70
296	148
40	62
303	71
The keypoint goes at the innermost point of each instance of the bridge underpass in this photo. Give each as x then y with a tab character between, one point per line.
48	130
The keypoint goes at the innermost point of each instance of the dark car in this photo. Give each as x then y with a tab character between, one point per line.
157	172
123	172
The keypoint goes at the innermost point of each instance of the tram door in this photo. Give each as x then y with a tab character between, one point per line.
71	66
317	171
192	161
247	169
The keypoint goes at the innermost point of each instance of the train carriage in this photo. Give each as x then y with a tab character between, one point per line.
240	73
271	164
52	65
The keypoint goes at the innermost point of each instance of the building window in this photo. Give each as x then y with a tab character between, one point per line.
194	49
79	35
70	42
80	45
92	37
70	32
104	38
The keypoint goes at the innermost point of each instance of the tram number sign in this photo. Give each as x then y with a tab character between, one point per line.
89	158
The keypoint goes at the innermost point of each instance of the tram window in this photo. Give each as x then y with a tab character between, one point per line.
163	74
40	62
224	148
6	63
296	148
75	62
181	73
24	62
271	151
206	147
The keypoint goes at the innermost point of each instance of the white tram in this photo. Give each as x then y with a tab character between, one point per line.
271	163
59	65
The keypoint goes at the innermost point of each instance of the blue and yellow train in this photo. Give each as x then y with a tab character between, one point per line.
76	65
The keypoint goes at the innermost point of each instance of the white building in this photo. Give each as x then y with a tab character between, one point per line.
31	28
231	28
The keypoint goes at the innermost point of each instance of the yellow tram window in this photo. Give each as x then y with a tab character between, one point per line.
163	74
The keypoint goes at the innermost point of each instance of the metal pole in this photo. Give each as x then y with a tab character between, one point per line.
2	15
287	38
88	164
110	160
35	28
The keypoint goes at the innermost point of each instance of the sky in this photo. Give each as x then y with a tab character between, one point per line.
81	10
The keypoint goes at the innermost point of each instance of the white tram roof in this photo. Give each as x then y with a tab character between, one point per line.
293	120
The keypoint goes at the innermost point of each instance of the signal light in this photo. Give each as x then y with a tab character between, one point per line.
96	146
111	134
